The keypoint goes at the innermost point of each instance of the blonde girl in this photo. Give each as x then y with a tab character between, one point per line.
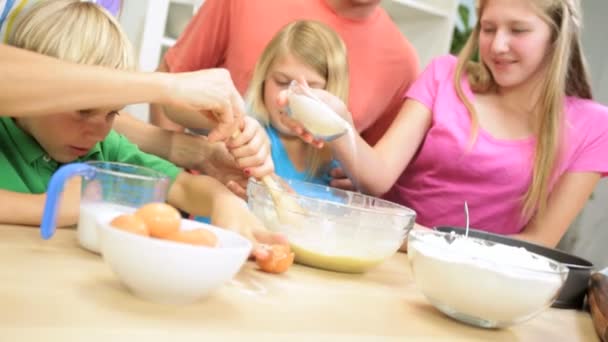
516	135
307	50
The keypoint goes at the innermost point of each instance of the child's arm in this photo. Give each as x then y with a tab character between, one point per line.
184	150
375	169
197	153
26	209
205	196
250	148
565	202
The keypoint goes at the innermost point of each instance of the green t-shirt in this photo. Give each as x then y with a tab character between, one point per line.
26	168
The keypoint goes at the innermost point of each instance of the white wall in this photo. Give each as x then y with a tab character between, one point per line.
132	20
595	44
588	237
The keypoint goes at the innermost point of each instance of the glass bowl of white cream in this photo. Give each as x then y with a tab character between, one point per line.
480	282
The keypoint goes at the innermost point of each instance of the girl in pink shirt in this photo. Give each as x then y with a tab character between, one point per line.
516	136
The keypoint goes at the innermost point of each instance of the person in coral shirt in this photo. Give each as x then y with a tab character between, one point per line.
231	34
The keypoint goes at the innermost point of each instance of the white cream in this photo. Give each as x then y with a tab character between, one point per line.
464	277
316	117
348	237
90	213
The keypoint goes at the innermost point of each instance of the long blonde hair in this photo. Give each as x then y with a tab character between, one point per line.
75	31
316	45
566	75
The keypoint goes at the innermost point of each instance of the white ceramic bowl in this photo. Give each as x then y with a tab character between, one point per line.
171	272
91	214
480	282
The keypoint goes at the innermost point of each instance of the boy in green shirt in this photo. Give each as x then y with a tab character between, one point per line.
32	148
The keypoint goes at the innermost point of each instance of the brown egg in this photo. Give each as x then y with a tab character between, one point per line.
131	223
279	260
199	237
161	219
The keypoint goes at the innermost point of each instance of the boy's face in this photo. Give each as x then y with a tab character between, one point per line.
68	136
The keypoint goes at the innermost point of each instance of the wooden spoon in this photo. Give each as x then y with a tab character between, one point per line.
286	207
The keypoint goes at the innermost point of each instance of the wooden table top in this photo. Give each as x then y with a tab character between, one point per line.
56	291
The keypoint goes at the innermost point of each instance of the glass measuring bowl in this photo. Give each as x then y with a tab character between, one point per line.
108	189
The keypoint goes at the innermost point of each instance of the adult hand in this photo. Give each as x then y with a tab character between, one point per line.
212	92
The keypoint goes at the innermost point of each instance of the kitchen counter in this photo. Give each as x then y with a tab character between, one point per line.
56	291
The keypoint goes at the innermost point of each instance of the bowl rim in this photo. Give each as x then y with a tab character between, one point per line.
397	210
247	245
560	268
151	174
582	264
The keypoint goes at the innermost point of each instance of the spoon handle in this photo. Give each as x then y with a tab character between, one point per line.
285	206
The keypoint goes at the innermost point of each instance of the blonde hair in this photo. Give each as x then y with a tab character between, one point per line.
316	45
566	75
74	31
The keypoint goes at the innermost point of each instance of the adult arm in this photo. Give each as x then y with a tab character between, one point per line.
202	45
158	116
36	85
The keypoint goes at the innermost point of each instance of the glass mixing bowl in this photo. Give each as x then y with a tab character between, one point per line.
333	229
480	282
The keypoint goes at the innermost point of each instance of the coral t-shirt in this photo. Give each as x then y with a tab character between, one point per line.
233	33
494	174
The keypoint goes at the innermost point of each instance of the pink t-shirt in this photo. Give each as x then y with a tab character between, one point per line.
494	175
233	33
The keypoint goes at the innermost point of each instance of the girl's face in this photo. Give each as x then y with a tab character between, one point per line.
280	74
513	42
68	136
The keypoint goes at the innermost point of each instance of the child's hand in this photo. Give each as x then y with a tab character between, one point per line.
296	128
251	149
329	99
340	180
231	212
213	159
69	205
